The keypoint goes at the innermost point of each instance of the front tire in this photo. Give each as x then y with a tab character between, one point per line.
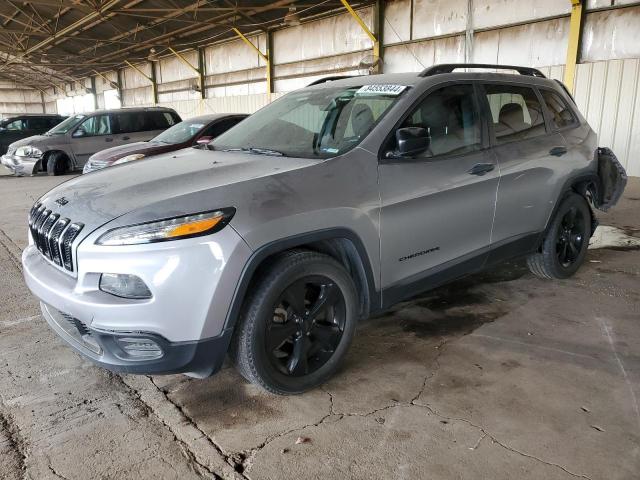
297	324
564	247
57	164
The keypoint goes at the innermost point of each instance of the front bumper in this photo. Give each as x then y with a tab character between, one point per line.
191	281
19	165
199	358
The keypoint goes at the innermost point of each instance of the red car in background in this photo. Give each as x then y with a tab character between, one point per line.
188	133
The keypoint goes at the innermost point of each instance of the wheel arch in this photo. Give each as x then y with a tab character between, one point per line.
342	244
585	185
49	153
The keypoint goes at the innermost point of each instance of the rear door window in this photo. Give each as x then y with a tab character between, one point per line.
38	123
131	122
516	112
159	120
16	125
561	114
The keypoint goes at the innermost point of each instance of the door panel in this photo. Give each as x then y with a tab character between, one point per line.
529	172
98	136
437	210
434	212
528	157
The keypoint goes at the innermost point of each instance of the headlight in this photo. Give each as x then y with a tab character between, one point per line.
129	158
28	151
170	229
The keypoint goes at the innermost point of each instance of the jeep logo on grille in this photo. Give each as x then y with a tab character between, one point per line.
61	201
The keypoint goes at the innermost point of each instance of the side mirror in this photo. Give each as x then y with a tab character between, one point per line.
203	140
412	141
79	133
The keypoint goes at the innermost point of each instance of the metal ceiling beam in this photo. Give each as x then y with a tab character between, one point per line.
188	30
76	37
61	3
75	25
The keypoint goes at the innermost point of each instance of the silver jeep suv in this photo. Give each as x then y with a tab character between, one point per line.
334	202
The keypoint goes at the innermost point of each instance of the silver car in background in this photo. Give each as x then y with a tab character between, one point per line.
68	145
334	202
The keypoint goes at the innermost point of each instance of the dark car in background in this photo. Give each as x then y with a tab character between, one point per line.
25	125
195	131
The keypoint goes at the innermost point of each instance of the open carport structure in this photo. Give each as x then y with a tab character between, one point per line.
498	375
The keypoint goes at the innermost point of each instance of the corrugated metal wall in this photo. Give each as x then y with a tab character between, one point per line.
15	99
608	94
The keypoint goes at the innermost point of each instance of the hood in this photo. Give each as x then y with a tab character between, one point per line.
41	141
173	184
114	153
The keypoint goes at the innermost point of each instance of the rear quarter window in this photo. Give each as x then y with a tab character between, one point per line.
560	113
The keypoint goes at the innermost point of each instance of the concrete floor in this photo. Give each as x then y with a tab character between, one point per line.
498	376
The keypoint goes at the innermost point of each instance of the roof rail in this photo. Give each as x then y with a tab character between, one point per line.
331	79
450	67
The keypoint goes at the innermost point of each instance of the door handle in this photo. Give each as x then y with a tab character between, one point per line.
108	139
125	138
481	168
558	151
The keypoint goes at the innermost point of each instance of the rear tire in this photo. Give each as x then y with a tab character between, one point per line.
57	164
564	246
297	324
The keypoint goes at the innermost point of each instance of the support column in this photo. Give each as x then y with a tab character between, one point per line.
266	58
199	70
151	78
202	65
154	83
270	87
95	92
120	89
575	38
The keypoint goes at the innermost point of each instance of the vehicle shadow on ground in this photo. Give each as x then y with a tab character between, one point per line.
388	360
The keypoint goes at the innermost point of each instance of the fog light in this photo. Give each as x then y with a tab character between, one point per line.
124	285
140	348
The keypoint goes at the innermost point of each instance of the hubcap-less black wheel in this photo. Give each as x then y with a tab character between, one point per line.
570	237
306	326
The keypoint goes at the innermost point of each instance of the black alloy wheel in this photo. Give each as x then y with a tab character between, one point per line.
297	322
306	326
570	236
564	246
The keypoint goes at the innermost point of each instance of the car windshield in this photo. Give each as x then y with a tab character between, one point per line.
312	123
66	125
180	132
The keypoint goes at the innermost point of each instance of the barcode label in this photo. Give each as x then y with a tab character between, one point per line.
381	89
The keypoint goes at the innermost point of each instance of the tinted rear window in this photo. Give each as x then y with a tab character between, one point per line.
515	111
559	110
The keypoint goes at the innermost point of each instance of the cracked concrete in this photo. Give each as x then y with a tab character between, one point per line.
497	376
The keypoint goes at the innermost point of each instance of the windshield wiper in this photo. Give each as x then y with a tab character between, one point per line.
257	151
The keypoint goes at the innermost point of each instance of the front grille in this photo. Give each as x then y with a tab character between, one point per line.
53	235
11	150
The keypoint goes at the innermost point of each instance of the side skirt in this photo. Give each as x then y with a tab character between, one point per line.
461	267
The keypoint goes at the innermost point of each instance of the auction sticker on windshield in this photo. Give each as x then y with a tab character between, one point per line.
381	89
